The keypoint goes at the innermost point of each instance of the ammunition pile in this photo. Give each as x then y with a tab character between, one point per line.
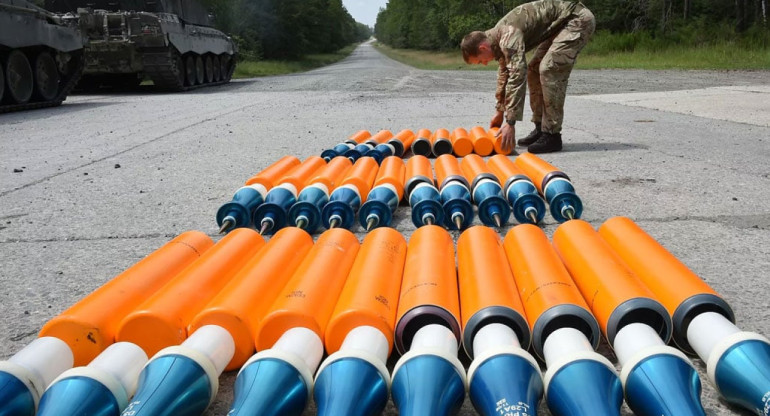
154	340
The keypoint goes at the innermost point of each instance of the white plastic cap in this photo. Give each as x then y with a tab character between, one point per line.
303	343
707	330
46	358
124	361
633	338
563	343
369	339
214	342
435	336
492	336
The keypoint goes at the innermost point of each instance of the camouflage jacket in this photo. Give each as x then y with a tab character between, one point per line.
519	31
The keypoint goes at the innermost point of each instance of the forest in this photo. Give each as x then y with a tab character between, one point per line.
441	24
287	29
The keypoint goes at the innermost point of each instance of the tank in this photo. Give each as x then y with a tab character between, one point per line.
41	56
171	42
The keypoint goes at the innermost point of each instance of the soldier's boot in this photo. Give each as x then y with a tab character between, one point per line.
548	142
532	137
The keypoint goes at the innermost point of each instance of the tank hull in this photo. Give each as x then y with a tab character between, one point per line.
129	46
41	56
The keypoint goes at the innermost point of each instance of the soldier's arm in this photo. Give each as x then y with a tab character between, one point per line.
502	80
512	45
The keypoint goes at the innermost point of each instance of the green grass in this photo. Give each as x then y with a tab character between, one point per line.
720	55
250	69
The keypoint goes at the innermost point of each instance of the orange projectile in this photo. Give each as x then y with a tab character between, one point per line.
161	321
422	143
418	170
269	177
487	289
498	141
504	168
362	176
614	294
461	144
441	143
429	286
406	137
380	137
680	290
309	297
90	325
551	299
243	303
474	169
392	173
332	174
483	143
447	169
360	136
370	296
299	175
537	169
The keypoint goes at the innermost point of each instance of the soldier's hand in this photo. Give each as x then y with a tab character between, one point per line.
497	120
508	142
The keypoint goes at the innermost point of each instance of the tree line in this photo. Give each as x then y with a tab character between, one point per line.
287	29
441	24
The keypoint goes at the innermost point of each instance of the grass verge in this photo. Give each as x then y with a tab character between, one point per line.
723	55
251	69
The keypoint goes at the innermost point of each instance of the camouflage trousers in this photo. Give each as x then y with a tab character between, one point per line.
549	69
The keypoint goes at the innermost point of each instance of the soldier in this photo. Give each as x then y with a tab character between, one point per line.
559	30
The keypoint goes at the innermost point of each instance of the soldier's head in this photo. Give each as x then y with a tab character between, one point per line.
476	48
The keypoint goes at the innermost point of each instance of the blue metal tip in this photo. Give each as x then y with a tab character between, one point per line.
269	387
375	154
491	206
664	384
742	375
78	396
171	385
240	213
378	208
523	203
583	388
15	397
350	387
506	384
427	206
428	385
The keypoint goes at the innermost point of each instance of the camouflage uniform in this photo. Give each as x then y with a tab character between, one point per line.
559	30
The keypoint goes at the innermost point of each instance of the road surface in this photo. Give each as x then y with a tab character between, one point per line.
89	188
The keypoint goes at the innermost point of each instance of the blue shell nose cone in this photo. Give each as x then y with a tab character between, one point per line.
15	398
78	396
171	385
664	385
350	387
269	387
506	384
585	387
428	385
743	375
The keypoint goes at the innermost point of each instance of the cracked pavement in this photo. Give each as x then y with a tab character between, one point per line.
106	179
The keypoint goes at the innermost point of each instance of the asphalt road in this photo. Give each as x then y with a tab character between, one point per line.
89	188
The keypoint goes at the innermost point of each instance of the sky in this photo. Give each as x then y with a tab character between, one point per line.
364	11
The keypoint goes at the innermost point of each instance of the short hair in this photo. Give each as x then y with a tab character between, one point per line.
470	44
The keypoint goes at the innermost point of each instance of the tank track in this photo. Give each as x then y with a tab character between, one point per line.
160	67
67	83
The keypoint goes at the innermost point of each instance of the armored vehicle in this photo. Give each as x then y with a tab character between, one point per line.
171	42
41	56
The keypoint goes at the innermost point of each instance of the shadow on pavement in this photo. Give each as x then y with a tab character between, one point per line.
601	147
